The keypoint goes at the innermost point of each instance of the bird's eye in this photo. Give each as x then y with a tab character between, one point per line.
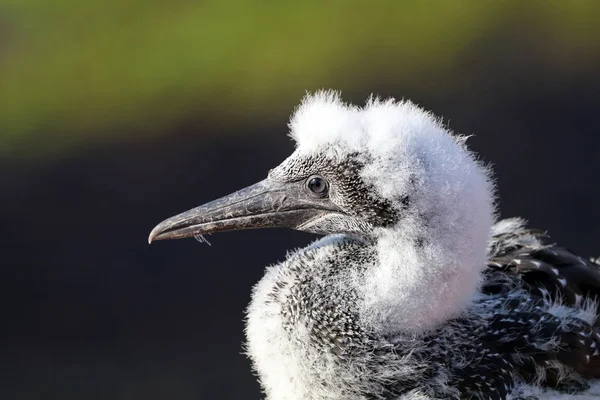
317	185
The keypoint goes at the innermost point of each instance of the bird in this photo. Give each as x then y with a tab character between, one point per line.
416	288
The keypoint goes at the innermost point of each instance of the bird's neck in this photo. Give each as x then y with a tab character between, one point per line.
420	281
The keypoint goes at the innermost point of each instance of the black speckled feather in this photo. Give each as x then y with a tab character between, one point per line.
520	327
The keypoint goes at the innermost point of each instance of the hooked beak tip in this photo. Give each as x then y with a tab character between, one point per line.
151	237
155	232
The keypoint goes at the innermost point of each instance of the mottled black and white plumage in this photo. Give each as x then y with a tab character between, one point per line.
415	292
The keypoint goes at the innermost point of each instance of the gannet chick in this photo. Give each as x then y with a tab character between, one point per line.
414	292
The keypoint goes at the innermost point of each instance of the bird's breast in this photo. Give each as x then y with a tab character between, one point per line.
301	320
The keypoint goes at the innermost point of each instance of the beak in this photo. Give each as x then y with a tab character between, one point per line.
266	204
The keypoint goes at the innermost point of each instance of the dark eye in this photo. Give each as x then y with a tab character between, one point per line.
317	185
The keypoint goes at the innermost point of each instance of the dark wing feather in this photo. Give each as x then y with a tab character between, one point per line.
545	268
549	273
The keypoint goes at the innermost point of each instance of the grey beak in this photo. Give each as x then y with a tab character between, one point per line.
266	204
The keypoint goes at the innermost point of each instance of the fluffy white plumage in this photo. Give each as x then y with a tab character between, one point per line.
411	153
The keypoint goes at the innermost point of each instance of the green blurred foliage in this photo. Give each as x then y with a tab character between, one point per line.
73	72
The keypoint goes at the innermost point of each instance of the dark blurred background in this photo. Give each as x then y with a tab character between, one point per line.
117	114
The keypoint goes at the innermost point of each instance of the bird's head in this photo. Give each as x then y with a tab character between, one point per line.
361	171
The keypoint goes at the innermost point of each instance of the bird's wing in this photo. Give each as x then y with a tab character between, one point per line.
545	268
555	324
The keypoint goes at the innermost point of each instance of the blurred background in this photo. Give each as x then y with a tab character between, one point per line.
116	114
